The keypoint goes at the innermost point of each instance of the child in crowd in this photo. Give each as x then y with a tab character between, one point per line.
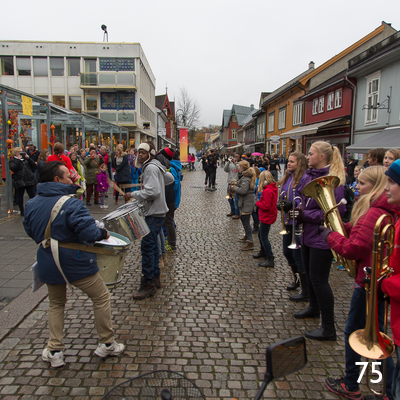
102	184
353	186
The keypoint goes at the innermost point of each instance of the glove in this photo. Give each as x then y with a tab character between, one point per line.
298	216
324	232
287	206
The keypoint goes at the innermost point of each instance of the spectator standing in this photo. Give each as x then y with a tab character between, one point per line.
102	184
122	171
92	163
231	167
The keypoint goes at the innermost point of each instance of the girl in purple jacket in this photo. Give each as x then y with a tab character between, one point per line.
323	159
102	184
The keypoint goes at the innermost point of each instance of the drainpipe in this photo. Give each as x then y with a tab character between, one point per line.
353	88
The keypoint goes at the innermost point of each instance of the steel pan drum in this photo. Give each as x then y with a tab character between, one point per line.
127	220
110	266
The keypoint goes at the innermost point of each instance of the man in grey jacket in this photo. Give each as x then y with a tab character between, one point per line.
154	179
231	167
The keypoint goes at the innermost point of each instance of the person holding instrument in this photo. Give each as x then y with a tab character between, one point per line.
371	205
323	159
296	168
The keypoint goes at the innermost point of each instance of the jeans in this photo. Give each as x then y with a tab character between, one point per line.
19	195
169	224
149	248
292	256
246	226
96	289
161	243
256	219
396	377
234	202
263	232
356	319
317	265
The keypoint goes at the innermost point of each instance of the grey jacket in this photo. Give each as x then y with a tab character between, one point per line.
232	169
246	193
155	178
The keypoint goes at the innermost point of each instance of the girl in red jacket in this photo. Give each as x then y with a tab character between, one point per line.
267	213
371	204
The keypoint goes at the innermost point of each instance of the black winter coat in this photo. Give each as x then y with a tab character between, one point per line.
169	189
23	175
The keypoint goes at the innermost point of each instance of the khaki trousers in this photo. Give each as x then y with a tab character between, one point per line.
96	289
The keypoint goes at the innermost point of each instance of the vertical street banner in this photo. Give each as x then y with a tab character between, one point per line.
27	105
184	144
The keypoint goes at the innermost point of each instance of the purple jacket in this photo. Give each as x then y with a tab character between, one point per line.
102	182
313	216
288	187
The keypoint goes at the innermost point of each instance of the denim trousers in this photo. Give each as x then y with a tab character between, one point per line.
317	265
161	243
292	256
234	202
356	319
149	248
263	232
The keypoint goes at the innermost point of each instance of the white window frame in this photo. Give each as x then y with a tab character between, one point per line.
297	113
338	98
234	134
282	118
330	101
321	104
315	107
372	98
271	122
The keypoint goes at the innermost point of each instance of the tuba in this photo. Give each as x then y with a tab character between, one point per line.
322	190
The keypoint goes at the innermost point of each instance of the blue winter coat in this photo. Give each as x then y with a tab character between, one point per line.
175	170
72	224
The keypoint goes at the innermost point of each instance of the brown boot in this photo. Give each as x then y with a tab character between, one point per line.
243	239
157	282
248	246
146	290
165	259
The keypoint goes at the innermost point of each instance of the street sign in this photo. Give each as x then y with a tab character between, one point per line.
275	138
274	142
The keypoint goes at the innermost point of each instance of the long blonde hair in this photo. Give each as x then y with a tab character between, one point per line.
264	179
375	175
334	158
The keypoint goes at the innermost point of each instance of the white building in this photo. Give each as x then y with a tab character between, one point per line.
111	81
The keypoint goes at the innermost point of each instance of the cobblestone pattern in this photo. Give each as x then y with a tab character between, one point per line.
212	320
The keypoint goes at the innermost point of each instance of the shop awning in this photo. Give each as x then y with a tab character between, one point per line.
307	129
388	138
235	146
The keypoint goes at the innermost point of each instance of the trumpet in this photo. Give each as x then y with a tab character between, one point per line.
296	212
233	183
281	194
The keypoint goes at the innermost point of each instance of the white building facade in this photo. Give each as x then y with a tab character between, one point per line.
111	81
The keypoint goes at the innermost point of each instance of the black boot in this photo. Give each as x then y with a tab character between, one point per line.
268	263
303	295
296	282
307	313
327	332
260	254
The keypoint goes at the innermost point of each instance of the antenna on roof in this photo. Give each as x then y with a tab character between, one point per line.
104	28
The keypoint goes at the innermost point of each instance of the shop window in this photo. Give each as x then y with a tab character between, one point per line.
75	103
329	105
321	101
57	66
40	66
59	101
282	118
338	98
24	66
6	65
74	66
91	103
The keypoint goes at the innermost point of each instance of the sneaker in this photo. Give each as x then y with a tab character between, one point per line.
105	206
114	349
101	206
338	386
56	360
88	203
341	268
170	247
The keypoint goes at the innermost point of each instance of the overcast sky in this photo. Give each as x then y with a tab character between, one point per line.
223	51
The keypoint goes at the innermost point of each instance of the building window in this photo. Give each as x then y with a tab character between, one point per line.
90	65
74	66
6	65
234	134
282	118
117	64
271	122
117	100
329	105
315	107
297	114
75	103
91	103
260	129
24	66
234	118
40	66
146	113
372	98
321	104
57	66
338	98
59	101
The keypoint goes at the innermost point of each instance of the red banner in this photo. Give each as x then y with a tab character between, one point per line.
184	144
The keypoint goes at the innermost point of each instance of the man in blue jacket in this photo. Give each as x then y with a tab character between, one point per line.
73	224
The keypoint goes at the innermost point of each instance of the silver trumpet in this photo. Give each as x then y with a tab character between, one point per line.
283	231
296	212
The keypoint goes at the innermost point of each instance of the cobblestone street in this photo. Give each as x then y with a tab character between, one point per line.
212	320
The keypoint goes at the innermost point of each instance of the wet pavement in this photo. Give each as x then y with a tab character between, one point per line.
212	320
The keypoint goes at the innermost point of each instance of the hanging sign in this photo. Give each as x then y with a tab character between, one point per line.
27	106
184	143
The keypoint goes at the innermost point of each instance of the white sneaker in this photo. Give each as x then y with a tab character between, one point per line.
55	361
115	349
101	206
105	206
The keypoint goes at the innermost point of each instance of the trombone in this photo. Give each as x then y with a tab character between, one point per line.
370	342
281	194
296	212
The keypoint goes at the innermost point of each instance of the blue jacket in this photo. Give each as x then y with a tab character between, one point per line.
72	224
175	170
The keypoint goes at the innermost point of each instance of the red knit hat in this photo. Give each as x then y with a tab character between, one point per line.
169	152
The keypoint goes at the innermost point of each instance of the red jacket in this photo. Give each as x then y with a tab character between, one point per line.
65	160
267	210
358	246
391	286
